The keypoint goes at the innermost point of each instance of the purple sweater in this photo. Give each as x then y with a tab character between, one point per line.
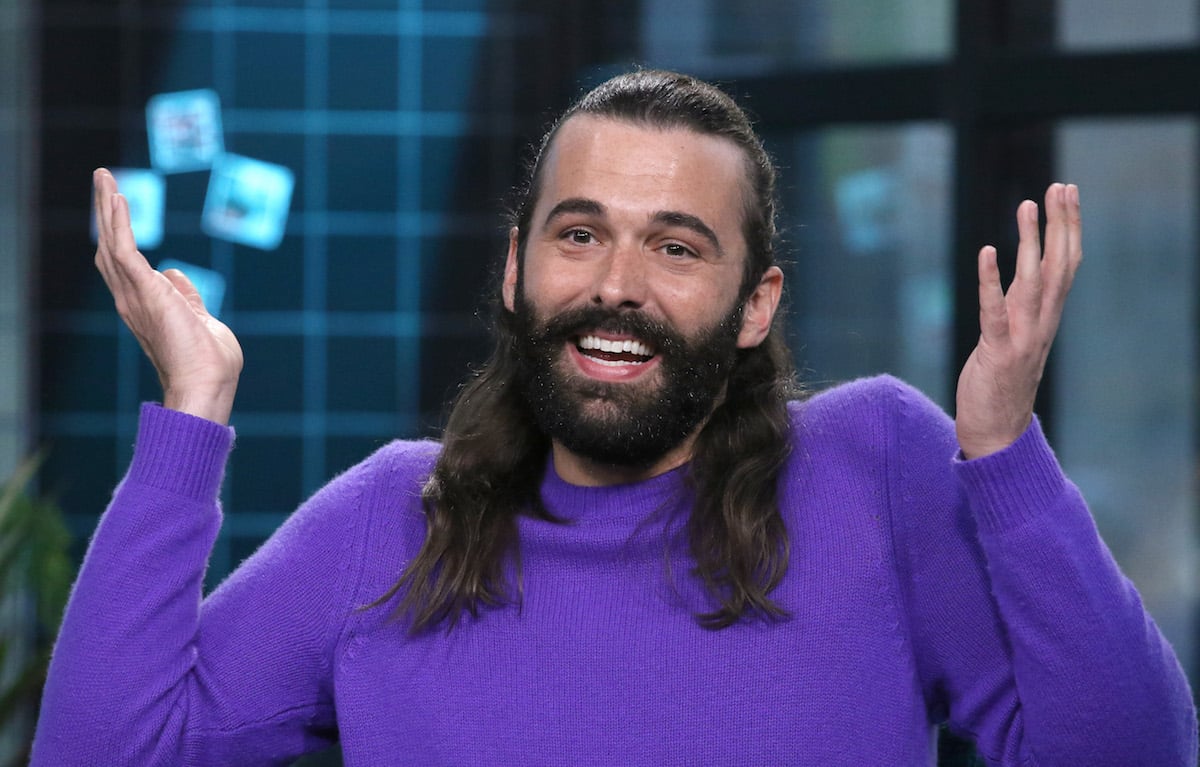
922	589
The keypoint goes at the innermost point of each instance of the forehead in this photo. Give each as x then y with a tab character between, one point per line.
631	168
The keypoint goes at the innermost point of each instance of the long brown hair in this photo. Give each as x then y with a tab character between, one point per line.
493	455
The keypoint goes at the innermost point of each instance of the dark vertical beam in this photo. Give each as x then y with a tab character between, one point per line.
998	162
963	108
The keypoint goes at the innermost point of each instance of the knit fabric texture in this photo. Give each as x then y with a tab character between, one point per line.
922	589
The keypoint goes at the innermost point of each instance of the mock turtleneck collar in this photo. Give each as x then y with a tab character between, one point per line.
635	501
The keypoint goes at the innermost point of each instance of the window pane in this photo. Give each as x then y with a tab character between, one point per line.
1125	371
16	104
1109	24
738	37
867	222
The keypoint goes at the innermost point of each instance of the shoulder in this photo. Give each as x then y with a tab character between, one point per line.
867	404
370	515
385	485
397	465
388	476
877	429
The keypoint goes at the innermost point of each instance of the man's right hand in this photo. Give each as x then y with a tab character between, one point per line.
198	359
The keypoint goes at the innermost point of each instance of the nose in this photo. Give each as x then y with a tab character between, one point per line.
621	277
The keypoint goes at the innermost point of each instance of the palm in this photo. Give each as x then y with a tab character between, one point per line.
198	358
999	382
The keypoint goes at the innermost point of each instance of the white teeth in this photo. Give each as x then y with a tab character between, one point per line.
605	345
614	363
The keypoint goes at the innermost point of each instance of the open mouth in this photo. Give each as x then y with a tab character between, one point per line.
614	352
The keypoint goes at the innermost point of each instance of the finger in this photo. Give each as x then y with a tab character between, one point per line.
1056	256
187	289
116	274
1029	248
102	213
109	219
993	311
132	273
123	246
1068	253
105	188
1074	229
1025	293
108	190
104	184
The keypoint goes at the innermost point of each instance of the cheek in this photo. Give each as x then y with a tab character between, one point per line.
689	308
561	284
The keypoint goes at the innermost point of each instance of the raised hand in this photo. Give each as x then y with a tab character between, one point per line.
198	359
999	382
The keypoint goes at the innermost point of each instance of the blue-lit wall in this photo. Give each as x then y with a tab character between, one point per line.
402	124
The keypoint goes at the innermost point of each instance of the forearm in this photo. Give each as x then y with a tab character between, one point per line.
1096	681
125	648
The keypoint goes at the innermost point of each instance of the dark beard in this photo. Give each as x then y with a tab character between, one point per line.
636	426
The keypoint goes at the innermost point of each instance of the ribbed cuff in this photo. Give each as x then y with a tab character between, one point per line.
1015	485
180	453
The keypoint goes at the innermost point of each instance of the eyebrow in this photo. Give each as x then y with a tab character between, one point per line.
694	223
574	205
585	206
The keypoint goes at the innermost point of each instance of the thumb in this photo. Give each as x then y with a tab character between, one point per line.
187	290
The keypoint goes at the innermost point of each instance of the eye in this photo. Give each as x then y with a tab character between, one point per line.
678	250
579	236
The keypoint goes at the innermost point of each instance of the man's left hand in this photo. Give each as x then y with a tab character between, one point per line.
998	384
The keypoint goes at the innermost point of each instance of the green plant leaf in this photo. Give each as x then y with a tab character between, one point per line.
35	563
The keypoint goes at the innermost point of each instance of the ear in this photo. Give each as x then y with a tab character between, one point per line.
509	288
760	309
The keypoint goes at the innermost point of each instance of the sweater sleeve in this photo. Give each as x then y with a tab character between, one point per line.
145	672
1029	639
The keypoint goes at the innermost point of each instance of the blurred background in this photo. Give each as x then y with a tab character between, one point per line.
335	171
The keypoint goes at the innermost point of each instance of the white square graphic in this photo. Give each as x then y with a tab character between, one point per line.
184	129
247	201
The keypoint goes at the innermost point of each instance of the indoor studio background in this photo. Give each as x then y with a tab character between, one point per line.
334	173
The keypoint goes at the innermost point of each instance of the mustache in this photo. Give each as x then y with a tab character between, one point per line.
573	322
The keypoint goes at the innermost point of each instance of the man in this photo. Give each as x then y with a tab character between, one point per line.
630	547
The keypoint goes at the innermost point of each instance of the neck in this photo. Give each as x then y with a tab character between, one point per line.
581	470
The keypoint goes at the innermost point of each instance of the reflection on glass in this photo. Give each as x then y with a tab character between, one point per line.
1116	24
867	223
1125	371
738	37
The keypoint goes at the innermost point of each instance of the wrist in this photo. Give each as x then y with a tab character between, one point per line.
215	404
978	445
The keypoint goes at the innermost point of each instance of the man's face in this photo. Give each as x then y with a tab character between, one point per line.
627	299
616	422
